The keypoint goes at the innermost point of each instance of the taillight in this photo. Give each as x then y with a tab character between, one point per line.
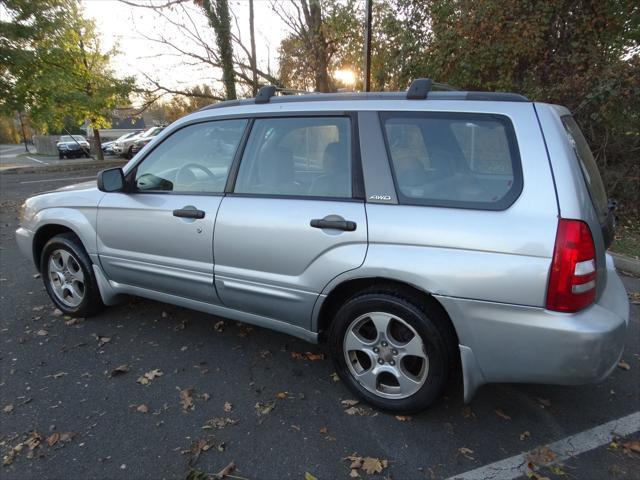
572	283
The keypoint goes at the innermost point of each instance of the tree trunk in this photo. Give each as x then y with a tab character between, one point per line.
313	16
24	135
254	60
220	20
97	143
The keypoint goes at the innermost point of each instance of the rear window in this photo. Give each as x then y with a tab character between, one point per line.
453	159
588	166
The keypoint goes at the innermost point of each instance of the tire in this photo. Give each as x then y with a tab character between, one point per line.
60	156
129	153
68	277
391	378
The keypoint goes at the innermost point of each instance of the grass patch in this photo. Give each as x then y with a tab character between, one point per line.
627	239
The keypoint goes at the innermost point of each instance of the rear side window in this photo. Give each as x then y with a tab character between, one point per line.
297	156
588	166
453	159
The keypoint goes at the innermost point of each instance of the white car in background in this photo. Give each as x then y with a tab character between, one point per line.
124	147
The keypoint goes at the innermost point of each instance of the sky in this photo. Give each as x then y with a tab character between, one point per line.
132	30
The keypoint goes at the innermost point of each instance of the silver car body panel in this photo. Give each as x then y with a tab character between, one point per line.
271	262
257	259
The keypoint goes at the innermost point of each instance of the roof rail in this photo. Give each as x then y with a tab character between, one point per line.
265	93
420	88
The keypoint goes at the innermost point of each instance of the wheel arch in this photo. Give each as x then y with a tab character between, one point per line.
44	234
346	289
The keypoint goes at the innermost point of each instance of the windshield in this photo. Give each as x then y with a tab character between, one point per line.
125	136
72	138
151	132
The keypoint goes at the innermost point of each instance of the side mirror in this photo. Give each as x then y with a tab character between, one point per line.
111	180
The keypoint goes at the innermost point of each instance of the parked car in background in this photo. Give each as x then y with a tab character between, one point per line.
72	146
142	141
415	232
108	147
124	147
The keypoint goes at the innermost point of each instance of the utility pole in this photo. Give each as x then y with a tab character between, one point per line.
367	46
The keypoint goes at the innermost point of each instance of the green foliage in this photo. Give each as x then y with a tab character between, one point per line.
53	67
8	131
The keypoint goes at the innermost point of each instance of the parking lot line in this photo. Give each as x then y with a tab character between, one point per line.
517	466
58	179
36	160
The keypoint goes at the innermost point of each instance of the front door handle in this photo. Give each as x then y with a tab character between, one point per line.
188	213
329	222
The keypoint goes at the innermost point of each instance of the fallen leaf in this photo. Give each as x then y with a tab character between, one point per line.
149	376
186	399
373	465
297	355
265	408
226	471
354	473
624	365
499	412
33	441
219	326
308	476
335	377
227	407
8	408
541	456
634	297
73	321
265	354
466	452
204	396
142	408
633	446
403	418
244	329
358	411
42	333
557	470
102	341
323	430
314	356
468	412
59	375
524	435
57	313
219	423
281	395
36	275
120	369
67	436
53	439
349	403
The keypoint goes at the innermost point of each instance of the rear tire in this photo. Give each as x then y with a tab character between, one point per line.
67	273
390	351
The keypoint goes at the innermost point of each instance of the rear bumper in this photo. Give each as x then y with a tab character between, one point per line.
511	343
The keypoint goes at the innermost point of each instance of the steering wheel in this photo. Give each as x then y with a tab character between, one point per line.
185	175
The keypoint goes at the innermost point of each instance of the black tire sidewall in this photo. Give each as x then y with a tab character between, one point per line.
435	348
92	302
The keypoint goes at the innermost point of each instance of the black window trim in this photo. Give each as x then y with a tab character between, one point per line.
357	178
130	177
516	163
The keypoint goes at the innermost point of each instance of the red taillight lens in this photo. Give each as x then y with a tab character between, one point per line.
572	283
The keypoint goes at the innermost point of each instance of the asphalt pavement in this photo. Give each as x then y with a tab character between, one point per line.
195	393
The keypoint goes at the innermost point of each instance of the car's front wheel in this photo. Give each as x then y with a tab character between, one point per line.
390	351
68	276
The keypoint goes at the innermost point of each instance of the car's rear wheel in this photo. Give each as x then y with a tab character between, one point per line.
60	156
390	351
68	276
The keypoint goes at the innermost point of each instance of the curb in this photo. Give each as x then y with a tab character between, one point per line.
628	264
69	167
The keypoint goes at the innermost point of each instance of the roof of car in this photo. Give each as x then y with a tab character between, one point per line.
267	95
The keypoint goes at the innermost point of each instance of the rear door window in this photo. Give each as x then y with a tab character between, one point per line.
453	159
588	166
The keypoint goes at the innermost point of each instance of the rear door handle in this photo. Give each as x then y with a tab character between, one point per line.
188	213
346	225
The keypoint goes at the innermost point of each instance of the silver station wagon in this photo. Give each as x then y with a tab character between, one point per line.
415	232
